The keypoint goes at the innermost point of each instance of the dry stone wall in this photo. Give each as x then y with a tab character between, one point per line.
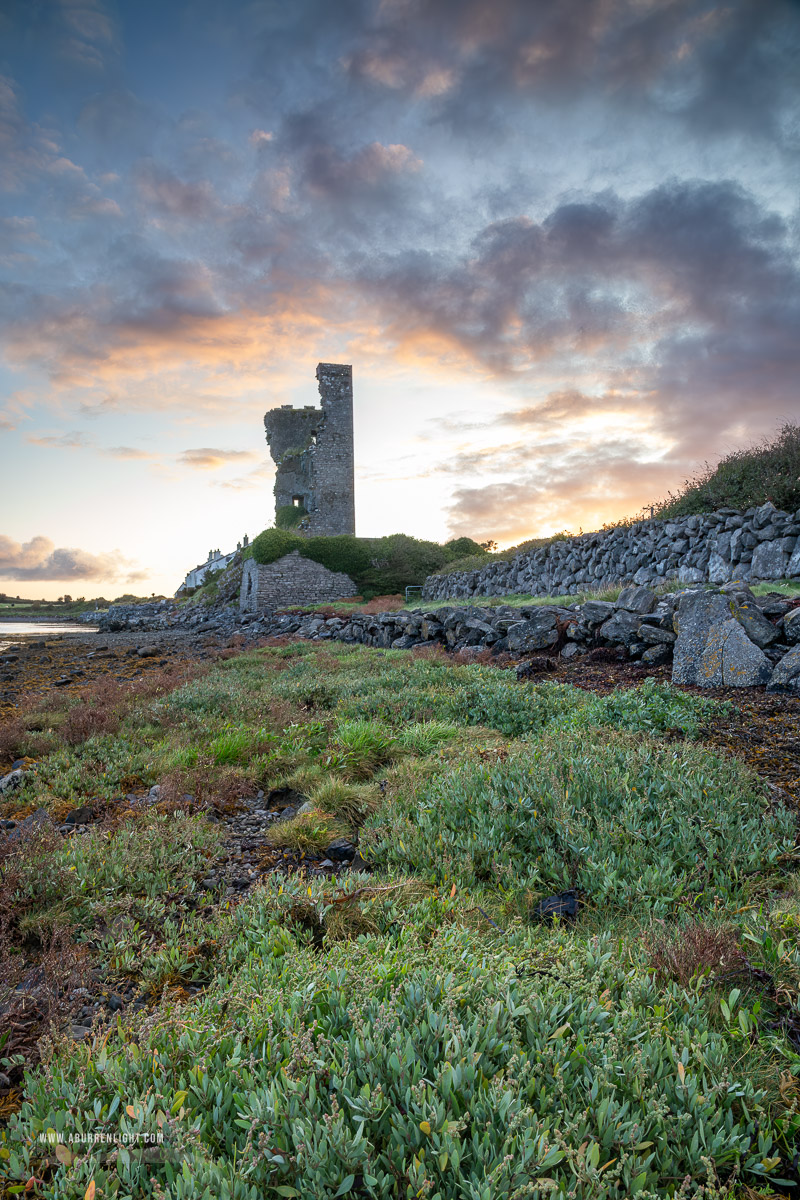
291	580
760	543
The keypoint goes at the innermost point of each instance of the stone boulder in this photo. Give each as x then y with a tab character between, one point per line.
698	613
537	632
636	600
755	624
719	570
730	659
786	676
654	635
595	612
623	627
769	561
791	627
656	656
11	781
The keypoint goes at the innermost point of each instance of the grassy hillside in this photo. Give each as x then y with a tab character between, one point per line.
768	471
419	1031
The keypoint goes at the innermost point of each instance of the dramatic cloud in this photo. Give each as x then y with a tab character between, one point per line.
161	192
721	68
685	301
39	559
206	458
556	485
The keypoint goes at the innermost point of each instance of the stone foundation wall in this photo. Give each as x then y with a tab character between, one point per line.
291	580
761	543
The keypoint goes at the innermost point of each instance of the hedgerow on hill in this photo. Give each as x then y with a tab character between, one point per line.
377	566
769	471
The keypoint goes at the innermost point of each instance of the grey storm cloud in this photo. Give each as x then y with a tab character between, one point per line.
161	191
335	173
692	288
40	559
721	67
688	294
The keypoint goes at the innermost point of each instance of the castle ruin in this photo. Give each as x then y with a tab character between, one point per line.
313	451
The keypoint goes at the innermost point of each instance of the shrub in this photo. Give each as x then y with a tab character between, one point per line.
273	544
629	821
426	1058
144	856
476	557
380	1036
423	737
288	516
696	949
463	547
349	802
770	471
360	747
311	832
377	566
403	561
344	553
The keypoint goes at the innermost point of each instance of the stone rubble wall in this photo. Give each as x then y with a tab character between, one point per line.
760	543
291	580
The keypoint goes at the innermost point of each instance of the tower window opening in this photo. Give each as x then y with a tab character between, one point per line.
297	501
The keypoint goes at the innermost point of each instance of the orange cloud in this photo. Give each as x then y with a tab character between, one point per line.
41	559
206	458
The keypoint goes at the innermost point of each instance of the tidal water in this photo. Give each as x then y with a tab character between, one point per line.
21	631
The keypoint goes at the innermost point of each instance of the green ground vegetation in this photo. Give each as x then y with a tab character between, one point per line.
56	610
469	560
417	1032
289	516
784	587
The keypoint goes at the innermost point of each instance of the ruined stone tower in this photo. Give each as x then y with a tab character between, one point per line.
313	452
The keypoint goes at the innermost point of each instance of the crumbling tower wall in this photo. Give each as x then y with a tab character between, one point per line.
313	452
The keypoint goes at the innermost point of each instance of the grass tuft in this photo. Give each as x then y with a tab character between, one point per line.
349	802
311	832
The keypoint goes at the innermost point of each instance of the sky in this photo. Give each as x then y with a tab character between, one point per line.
558	241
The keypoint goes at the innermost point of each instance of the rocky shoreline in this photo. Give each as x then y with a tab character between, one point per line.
714	637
